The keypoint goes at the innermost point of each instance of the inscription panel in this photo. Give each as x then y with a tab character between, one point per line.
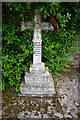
36	80
37	48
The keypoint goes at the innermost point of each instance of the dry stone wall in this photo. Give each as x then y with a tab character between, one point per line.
76	60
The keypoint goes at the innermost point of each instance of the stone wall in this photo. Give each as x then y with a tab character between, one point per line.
76	60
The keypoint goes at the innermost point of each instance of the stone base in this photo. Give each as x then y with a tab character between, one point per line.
37	67
38	84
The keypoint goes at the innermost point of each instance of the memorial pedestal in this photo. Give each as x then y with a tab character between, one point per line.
38	83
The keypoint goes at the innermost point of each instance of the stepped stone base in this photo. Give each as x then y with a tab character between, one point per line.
37	84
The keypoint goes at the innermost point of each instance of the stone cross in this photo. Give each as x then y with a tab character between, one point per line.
37	40
38	82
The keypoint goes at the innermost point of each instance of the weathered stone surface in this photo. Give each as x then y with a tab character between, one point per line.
67	89
37	90
76	60
38	83
37	67
36	79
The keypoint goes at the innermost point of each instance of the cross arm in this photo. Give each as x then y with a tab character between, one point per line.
43	25
25	25
47	26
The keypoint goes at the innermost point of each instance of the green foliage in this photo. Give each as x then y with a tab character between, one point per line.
17	51
56	49
17	46
74	10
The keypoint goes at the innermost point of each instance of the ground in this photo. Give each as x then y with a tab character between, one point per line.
64	104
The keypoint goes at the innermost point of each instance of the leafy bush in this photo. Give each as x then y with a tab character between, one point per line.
18	47
56	50
17	51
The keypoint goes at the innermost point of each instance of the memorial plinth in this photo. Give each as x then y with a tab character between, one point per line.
38	82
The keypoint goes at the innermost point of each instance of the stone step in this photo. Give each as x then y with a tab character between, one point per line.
46	90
